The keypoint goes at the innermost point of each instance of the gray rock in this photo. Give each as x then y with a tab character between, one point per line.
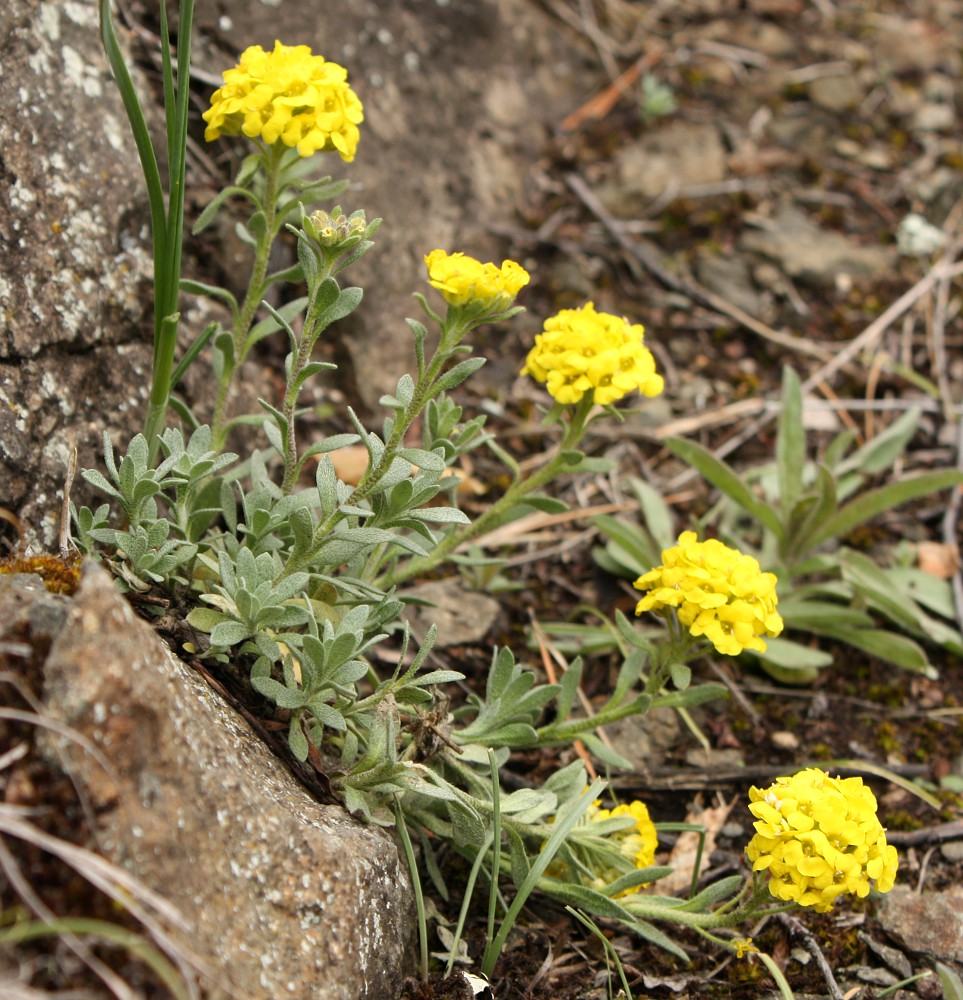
646	739
287	897
837	93
75	313
931	923
730	277
75	328
817	256
678	155
461	616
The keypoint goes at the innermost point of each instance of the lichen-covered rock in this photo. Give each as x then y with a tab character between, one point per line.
75	324
288	897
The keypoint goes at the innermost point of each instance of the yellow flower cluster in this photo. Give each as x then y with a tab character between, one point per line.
819	837
463	280
288	95
581	351
717	592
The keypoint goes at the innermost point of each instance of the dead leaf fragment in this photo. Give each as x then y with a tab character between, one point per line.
682	858
938	559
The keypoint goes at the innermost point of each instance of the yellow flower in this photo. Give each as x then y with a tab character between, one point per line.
581	350
819	838
743	947
717	592
289	96
463	280
608	856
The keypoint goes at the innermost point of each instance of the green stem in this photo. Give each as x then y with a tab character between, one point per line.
271	160
424	390
298	363
513	496
571	729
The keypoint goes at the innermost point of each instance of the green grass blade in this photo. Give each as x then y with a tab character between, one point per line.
790	443
138	125
725	478
564	823
880	500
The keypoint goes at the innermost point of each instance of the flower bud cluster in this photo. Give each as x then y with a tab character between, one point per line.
464	281
336	230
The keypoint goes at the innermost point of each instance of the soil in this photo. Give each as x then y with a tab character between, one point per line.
848	116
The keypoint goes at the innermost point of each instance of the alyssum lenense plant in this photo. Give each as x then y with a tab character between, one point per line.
298	583
794	513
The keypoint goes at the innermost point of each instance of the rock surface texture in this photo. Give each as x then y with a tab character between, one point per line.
75	322
287	897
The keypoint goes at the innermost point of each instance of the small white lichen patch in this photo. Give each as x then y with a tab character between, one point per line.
21	196
84	14
50	20
80	73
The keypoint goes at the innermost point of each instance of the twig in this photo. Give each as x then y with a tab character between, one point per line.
924	865
798	930
687	285
881	324
543	647
602	103
931	834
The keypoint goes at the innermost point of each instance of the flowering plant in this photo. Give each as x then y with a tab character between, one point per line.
298	582
794	513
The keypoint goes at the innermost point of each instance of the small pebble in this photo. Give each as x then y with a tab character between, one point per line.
785	740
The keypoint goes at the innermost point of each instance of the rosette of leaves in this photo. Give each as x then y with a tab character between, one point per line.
795	514
167	507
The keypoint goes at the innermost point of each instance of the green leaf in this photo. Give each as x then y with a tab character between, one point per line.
790	442
347	301
629	545
297	741
811	616
691	696
520	863
878	501
430	461
204	619
811	512
229	633
889	646
655	514
547	505
457	375
568	690
799	664
725	478
879	454
950	981
605	753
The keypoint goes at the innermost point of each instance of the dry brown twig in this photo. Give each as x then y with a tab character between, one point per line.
641	255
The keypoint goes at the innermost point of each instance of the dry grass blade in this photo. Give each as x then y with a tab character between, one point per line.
146	905
155	913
